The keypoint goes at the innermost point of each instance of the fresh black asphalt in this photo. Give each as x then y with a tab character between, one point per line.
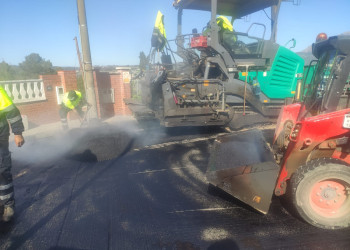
153	197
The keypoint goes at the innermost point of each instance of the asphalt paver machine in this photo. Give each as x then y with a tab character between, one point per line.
309	161
224	76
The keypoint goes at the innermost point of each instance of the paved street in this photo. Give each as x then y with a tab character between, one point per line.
154	196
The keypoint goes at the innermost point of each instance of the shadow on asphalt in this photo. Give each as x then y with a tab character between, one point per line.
104	152
99	144
6	227
226	244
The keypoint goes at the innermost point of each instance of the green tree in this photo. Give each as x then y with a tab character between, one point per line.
6	72
143	61
34	65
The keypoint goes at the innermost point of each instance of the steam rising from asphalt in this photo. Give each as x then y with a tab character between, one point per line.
105	141
38	151
101	140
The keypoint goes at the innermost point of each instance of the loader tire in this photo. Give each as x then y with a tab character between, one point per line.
321	193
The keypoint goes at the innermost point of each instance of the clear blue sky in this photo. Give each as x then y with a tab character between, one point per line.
119	30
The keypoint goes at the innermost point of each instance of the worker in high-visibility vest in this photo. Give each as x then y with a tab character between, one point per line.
72	100
159	40
226	35
9	114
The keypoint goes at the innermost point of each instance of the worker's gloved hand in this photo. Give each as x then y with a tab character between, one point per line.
19	140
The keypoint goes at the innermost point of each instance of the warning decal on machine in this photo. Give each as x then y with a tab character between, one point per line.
346	123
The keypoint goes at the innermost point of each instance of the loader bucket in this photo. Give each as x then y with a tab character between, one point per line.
242	164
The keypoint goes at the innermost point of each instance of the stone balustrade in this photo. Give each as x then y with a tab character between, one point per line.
24	91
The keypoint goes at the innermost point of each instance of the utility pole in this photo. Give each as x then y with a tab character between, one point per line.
87	63
79	58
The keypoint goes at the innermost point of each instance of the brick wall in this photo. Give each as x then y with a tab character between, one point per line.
106	81
102	83
68	80
121	91
43	112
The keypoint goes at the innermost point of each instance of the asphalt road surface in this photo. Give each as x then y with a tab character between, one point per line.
154	195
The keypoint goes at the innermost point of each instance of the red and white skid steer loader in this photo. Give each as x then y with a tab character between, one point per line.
310	159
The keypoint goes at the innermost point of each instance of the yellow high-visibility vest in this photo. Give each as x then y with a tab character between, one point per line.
5	100
158	40
224	23
71	104
160	23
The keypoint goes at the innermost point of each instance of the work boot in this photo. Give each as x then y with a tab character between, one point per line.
64	124
8	214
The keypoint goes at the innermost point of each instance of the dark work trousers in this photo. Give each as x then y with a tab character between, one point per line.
63	112
6	185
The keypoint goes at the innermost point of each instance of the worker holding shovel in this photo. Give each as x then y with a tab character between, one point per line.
73	100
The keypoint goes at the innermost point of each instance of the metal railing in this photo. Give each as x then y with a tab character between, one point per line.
23	91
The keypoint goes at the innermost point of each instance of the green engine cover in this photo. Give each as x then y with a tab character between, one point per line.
281	81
